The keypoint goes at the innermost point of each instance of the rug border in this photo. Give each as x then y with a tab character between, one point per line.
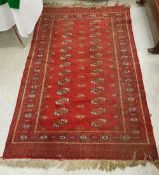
148	121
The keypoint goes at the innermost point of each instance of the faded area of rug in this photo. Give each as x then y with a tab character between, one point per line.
82	95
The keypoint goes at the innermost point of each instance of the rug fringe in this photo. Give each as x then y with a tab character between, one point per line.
72	165
88	3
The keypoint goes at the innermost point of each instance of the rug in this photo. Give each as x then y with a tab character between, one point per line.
82	95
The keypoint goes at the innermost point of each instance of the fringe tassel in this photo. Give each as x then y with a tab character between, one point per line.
126	3
87	3
72	165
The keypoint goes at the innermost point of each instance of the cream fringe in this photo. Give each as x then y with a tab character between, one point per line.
71	165
87	3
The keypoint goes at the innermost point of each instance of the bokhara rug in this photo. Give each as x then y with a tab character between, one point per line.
82	95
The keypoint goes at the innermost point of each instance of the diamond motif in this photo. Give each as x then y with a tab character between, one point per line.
98	111
67	41
64	81
96	71
81	85
62	101
66	56
64	72
80	95
98	100
63	91
65	64
97	34
97	55
66	49
80	116
28	115
61	111
99	123
60	123
97	80
97	63
66	35
97	90
95	48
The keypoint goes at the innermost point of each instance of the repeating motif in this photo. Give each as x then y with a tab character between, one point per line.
87	83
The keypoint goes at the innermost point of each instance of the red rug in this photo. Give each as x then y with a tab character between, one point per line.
82	95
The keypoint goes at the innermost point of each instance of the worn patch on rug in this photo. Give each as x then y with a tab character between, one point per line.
82	95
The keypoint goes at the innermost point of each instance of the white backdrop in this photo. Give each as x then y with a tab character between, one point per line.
25	18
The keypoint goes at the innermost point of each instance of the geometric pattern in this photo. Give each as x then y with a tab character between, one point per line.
82	94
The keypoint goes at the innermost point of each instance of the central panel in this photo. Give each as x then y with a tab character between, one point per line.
81	78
